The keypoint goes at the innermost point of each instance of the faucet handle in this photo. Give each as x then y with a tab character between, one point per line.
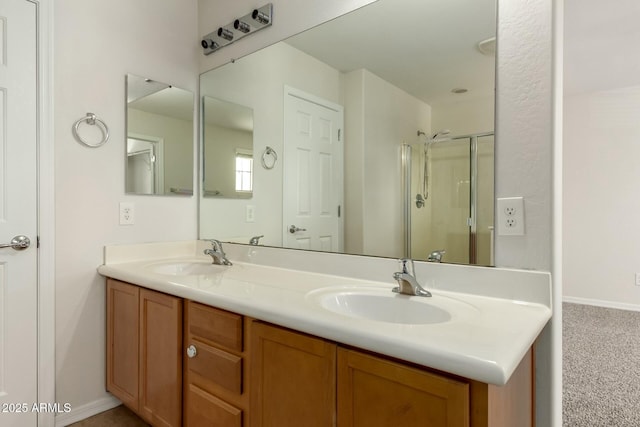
406	266
216	244
255	240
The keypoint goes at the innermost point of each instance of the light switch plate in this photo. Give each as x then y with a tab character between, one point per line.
250	213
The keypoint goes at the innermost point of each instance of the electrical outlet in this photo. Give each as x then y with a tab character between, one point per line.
127	213
637	279
510	216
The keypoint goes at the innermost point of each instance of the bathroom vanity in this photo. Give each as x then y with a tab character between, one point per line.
190	343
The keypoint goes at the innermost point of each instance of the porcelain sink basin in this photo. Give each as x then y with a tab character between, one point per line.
186	268
385	306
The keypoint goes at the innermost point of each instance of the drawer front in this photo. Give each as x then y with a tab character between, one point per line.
204	409
217	326
218	366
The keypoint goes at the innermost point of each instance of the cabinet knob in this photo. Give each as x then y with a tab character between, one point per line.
192	351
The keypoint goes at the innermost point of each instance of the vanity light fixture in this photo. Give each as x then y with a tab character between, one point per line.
241	26
225	34
261	17
258	19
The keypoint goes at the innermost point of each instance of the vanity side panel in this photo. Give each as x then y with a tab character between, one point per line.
512	404
122	342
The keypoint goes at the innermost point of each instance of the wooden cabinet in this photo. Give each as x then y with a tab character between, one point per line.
242	372
215	391
123	331
375	392
293	379
144	360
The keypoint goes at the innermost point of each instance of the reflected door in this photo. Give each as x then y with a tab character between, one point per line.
18	268
313	173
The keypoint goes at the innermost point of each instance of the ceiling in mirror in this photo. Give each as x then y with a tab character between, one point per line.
159	149
397	71
425	47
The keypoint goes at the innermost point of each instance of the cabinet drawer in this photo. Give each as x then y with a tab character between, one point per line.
217	326
218	366
204	409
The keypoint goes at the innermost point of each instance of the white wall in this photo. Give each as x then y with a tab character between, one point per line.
524	166
391	117
601	176
379	118
96	44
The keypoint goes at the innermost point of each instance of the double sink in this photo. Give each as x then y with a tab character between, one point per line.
364	302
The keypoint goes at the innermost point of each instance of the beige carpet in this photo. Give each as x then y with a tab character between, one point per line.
601	367
119	416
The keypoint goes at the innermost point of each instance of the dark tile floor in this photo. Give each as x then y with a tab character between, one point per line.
119	416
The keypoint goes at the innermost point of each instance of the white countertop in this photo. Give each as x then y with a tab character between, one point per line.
486	343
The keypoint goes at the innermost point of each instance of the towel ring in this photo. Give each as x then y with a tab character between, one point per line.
92	120
269	152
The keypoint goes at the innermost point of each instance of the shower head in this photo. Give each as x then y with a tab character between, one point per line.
441	133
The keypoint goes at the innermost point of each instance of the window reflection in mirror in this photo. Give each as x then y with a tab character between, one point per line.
159	155
227	149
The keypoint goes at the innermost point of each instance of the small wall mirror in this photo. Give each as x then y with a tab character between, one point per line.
227	153
159	149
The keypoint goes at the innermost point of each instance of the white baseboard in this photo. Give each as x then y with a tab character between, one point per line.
86	411
602	303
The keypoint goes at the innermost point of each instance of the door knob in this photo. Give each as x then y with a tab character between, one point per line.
293	229
18	243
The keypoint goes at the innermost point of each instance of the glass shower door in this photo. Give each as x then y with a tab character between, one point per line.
451	200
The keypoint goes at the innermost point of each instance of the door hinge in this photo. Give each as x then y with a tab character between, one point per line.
339	210
339	134
37	242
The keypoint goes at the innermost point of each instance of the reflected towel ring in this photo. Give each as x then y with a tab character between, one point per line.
92	120
272	153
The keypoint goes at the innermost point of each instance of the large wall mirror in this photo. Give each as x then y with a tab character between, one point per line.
378	131
227	149
159	149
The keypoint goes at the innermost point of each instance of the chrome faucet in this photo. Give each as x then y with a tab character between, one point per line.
255	240
436	256
217	253
408	284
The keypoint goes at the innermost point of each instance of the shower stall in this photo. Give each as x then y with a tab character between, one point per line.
449	194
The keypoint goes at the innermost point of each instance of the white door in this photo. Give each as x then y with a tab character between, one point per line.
18	268
313	173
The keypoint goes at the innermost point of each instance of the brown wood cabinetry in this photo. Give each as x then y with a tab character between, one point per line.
215	391
144	361
375	392
234	371
293	379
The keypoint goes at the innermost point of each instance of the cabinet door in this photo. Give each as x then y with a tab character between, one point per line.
292	379
160	358
122	342
374	392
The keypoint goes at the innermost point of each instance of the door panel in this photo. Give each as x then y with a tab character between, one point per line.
313	173
18	269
